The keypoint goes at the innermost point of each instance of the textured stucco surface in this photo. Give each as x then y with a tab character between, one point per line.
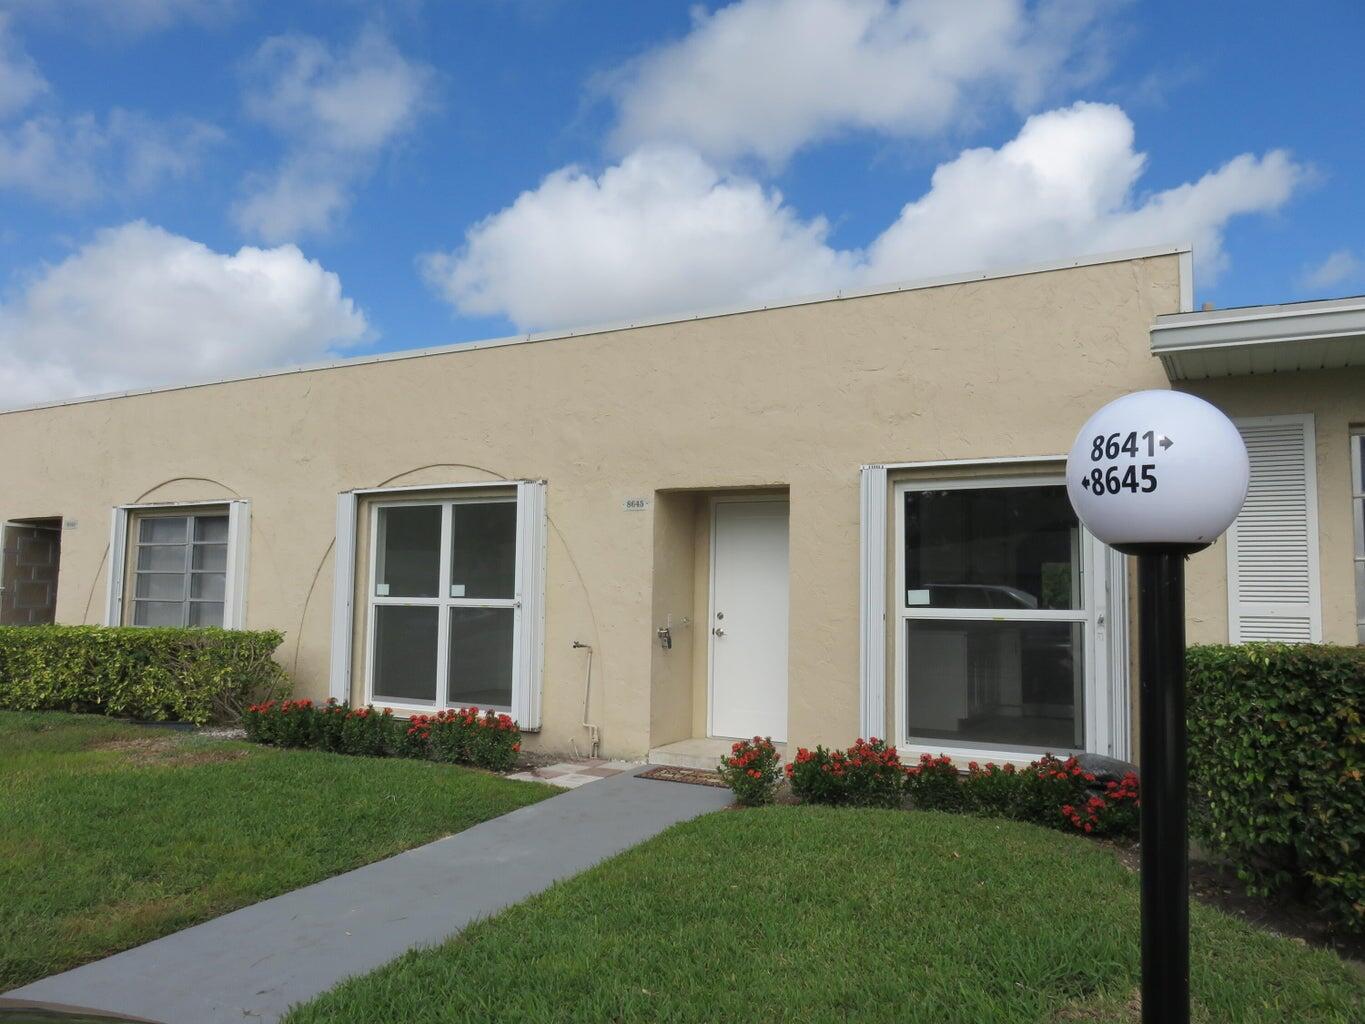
795	398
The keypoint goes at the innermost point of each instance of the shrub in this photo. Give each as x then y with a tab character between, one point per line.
188	675
992	791
284	723
1113	813
933	784
751	771
495	741
817	776
1048	785
1277	768
867	774
363	732
488	740
873	774
485	740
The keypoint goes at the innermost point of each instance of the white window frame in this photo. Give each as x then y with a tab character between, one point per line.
121	548
1105	705
443	602
1358	526
529	593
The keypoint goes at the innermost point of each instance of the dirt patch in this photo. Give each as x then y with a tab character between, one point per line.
169	751
1107	1011
1217	885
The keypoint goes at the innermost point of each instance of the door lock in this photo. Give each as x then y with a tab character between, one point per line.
718	631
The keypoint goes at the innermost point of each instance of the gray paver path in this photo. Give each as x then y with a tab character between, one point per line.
254	963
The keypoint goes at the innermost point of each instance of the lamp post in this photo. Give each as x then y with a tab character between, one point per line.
1160	475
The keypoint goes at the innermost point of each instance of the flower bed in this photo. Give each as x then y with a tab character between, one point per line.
483	739
1052	792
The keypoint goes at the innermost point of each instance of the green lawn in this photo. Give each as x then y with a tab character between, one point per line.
111	835
810	914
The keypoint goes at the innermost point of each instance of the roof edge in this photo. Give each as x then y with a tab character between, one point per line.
1024	270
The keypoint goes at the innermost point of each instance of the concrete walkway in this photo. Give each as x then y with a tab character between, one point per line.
254	963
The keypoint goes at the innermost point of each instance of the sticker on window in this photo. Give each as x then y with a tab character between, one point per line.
914	597
381	590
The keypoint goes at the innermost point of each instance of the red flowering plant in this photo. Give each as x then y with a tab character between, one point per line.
285	723
363	731
1113	813
933	784
751	771
467	736
486	739
873	774
327	727
1048	785
991	790
817	776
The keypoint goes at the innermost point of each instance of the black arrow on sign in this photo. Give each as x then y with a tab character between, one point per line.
1165	442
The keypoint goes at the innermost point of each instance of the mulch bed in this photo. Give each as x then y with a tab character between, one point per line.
690	776
1217	885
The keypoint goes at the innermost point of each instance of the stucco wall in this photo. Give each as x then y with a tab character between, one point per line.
796	397
1336	399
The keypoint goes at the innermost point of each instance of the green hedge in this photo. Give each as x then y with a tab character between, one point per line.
188	675
1277	768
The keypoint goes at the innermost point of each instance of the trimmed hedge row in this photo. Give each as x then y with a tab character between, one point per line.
157	674
1277	768
484	739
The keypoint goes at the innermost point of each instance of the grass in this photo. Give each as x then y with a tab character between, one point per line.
812	914
112	834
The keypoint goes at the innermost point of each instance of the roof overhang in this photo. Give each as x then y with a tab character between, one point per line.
1326	335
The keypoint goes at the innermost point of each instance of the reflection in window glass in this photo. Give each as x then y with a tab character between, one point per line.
484	550
480	667
405	653
992	548
409	556
1013	685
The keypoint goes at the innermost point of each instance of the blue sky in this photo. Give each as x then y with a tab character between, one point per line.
196	188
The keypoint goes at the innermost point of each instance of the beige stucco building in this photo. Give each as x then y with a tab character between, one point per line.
836	517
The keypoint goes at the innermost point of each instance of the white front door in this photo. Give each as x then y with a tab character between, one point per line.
749	619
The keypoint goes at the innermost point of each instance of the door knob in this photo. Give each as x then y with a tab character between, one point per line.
718	631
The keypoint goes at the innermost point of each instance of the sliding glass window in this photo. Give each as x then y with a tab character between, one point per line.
443	608
992	618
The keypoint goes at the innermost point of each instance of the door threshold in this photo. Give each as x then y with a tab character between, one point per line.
703	753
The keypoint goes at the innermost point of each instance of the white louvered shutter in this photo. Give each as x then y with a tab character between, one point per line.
1273	588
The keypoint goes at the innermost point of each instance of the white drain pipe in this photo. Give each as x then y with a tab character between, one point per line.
587	698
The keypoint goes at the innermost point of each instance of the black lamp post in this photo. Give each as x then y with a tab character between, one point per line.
1160	475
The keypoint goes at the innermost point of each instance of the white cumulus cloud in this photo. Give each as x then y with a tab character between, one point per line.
765	77
20	79
124	17
335	112
1341	268
82	158
664	231
1067	185
660	230
138	306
